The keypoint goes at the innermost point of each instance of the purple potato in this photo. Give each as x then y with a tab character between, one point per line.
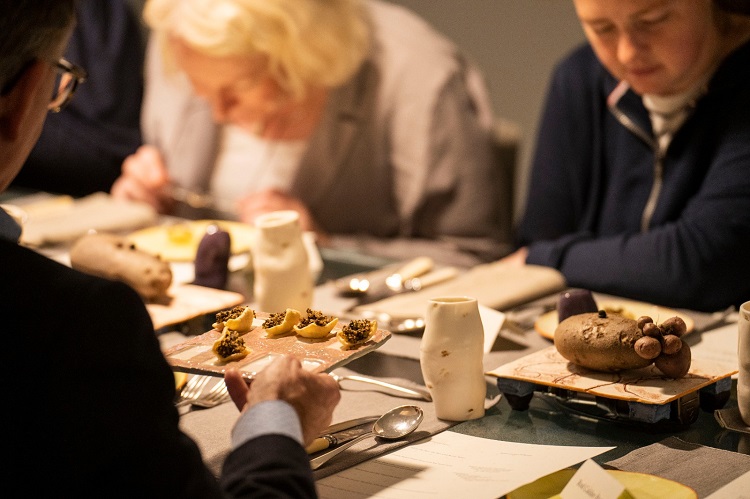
212	259
574	302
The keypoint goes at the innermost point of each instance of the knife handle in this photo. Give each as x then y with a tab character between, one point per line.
415	267
434	277
319	444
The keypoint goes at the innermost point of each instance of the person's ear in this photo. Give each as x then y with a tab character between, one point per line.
16	105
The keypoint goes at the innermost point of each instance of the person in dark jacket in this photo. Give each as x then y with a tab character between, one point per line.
89	406
82	148
640	184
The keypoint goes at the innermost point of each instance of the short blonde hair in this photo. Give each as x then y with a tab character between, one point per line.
307	42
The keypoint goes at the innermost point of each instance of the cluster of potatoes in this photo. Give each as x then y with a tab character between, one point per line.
614	343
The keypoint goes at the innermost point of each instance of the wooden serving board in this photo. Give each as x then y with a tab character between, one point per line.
317	355
647	385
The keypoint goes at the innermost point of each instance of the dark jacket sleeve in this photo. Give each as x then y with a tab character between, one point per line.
96	393
94	413
269	466
81	149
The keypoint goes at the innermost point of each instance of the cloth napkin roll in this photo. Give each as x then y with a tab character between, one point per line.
495	285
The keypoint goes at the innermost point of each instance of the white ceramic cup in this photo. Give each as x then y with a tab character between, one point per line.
451	353
281	272
743	359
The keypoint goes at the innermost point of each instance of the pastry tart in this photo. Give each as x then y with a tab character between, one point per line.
282	323
315	325
239	318
230	346
357	332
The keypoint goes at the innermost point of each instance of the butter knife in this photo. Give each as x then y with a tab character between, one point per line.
380	281
411	284
342	432
414	268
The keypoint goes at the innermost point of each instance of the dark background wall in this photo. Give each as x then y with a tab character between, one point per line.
516	43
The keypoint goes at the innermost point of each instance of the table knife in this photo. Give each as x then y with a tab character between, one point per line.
411	269
430	278
380	281
342	432
411	284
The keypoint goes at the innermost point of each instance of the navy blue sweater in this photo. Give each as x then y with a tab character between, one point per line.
592	177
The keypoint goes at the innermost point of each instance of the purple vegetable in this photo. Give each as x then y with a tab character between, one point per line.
574	302
212	259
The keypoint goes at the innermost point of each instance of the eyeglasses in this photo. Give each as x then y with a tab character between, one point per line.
68	77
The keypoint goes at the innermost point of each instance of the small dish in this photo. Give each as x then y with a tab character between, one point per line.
546	324
639	485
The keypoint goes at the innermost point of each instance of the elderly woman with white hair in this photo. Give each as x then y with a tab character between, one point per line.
357	114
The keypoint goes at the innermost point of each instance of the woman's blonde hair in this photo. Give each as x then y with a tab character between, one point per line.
307	42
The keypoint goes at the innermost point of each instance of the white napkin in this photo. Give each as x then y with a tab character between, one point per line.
69	221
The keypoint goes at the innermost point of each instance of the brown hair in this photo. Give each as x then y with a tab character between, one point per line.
30	29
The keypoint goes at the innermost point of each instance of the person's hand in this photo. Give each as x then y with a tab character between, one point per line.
269	200
144	178
517	258
313	396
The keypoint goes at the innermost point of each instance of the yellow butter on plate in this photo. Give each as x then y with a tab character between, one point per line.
179	242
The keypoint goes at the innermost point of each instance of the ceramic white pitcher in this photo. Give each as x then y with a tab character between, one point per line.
281	269
743	358
451	355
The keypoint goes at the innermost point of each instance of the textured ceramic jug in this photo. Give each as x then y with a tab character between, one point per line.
451	355
743	358
281	272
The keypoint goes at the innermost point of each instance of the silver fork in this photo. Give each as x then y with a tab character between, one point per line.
192	198
192	390
218	394
410	392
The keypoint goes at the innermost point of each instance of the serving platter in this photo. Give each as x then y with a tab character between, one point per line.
546	324
316	355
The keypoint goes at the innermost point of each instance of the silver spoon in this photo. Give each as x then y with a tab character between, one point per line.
394	424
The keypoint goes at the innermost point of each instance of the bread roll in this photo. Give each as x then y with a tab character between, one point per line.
113	257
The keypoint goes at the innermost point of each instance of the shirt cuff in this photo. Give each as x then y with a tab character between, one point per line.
267	418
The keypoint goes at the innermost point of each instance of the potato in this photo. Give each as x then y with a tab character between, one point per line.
600	343
648	347
676	365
